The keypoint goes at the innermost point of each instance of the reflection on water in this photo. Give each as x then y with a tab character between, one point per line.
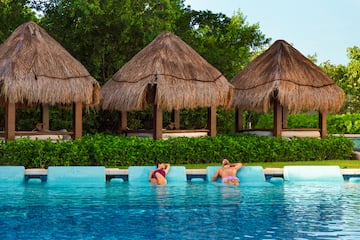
185	211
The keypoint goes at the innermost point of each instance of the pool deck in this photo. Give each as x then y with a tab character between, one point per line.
41	173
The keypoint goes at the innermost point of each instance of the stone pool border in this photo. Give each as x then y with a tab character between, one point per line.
117	173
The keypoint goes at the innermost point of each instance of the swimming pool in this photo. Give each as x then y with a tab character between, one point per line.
356	142
192	210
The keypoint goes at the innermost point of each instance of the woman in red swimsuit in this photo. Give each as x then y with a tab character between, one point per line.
158	176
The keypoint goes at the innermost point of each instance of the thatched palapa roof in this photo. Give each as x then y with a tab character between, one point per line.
283	73
167	73
34	68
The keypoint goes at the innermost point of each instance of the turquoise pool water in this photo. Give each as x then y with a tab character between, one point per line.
356	142
184	211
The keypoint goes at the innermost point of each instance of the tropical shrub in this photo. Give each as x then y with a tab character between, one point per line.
117	150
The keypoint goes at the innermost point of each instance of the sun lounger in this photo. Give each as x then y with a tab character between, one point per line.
67	175
313	174
12	174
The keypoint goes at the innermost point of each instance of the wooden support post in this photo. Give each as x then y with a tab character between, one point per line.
77	120
285	113
212	121
157	124
175	118
122	122
239	123
45	116
10	120
277	119
322	124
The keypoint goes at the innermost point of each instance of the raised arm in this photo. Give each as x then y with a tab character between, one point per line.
216	175
237	166
150	174
167	167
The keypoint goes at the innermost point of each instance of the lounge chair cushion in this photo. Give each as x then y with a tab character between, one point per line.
13	174
313	174
76	175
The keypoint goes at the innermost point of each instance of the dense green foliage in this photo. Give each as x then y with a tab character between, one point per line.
116	151
336	124
348	78
104	35
12	14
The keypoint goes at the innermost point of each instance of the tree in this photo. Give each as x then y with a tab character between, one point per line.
226	43
12	14
348	78
337	73
105	34
352	77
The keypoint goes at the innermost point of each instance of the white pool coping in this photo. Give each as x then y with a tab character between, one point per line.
118	171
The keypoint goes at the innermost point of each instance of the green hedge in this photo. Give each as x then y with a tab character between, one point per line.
116	151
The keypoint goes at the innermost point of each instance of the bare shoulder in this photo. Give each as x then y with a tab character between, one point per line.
216	175
237	166
220	171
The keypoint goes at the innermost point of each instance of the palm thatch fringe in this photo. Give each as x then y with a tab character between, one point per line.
296	98
284	74
181	77
34	68
171	94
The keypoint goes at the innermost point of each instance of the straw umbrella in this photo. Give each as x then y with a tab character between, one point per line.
168	75
284	80
36	70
